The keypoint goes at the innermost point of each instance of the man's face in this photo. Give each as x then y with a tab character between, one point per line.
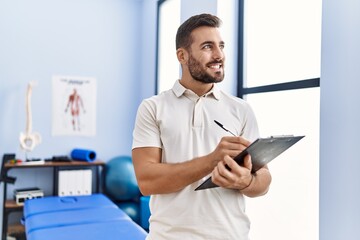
206	56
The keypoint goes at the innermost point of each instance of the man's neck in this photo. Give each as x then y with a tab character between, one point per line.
197	87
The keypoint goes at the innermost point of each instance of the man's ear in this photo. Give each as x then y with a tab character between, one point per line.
182	55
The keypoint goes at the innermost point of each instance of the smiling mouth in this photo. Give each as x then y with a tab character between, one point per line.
215	66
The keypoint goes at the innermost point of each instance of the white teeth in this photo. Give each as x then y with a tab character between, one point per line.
215	66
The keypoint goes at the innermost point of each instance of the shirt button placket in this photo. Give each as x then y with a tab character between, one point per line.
198	113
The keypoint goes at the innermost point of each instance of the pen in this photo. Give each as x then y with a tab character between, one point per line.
222	126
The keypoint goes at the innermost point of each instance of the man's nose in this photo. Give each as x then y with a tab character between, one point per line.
218	53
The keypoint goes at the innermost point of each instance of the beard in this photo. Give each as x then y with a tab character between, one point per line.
199	73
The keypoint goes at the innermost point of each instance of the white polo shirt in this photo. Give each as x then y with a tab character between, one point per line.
182	125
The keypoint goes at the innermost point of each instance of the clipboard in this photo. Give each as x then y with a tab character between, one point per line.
262	151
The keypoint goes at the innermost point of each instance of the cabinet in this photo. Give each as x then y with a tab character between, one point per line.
10	205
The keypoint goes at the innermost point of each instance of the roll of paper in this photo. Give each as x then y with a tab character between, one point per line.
83	155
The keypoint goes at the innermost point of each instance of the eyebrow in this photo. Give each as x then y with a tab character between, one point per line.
211	42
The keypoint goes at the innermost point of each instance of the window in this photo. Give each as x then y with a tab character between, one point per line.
170	13
292	202
282	40
168	23
279	77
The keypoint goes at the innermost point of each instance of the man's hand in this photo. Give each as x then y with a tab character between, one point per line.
229	174
228	146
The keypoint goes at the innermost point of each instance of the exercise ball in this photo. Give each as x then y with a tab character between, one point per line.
132	209
120	180
144	212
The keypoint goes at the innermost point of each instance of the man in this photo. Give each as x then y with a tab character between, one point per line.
177	145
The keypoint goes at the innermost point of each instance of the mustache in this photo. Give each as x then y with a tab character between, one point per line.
216	62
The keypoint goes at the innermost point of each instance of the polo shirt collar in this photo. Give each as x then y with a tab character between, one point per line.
179	90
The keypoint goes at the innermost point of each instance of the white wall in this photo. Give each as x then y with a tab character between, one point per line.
83	38
340	121
95	38
147	63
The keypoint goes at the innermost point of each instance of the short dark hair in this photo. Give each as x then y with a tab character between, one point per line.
183	35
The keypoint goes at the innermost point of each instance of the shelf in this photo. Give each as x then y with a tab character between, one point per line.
16	230
11	204
53	164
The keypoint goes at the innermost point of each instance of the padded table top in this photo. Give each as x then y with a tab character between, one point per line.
73	217
55	203
78	217
119	230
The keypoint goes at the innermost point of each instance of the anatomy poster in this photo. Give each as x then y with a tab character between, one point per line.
74	106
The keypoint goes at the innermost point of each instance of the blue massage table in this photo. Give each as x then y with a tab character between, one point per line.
78	217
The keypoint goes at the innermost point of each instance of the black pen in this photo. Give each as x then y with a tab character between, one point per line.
222	126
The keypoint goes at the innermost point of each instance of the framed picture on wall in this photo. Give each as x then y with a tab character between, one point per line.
74	106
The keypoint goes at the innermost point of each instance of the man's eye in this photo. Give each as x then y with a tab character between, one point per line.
207	46
222	46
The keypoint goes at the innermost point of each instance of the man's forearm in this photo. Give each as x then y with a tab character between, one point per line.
162	178
259	185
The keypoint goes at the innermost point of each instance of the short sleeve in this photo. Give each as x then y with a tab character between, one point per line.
146	130
250	130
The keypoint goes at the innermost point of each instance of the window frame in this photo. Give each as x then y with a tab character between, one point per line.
241	90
